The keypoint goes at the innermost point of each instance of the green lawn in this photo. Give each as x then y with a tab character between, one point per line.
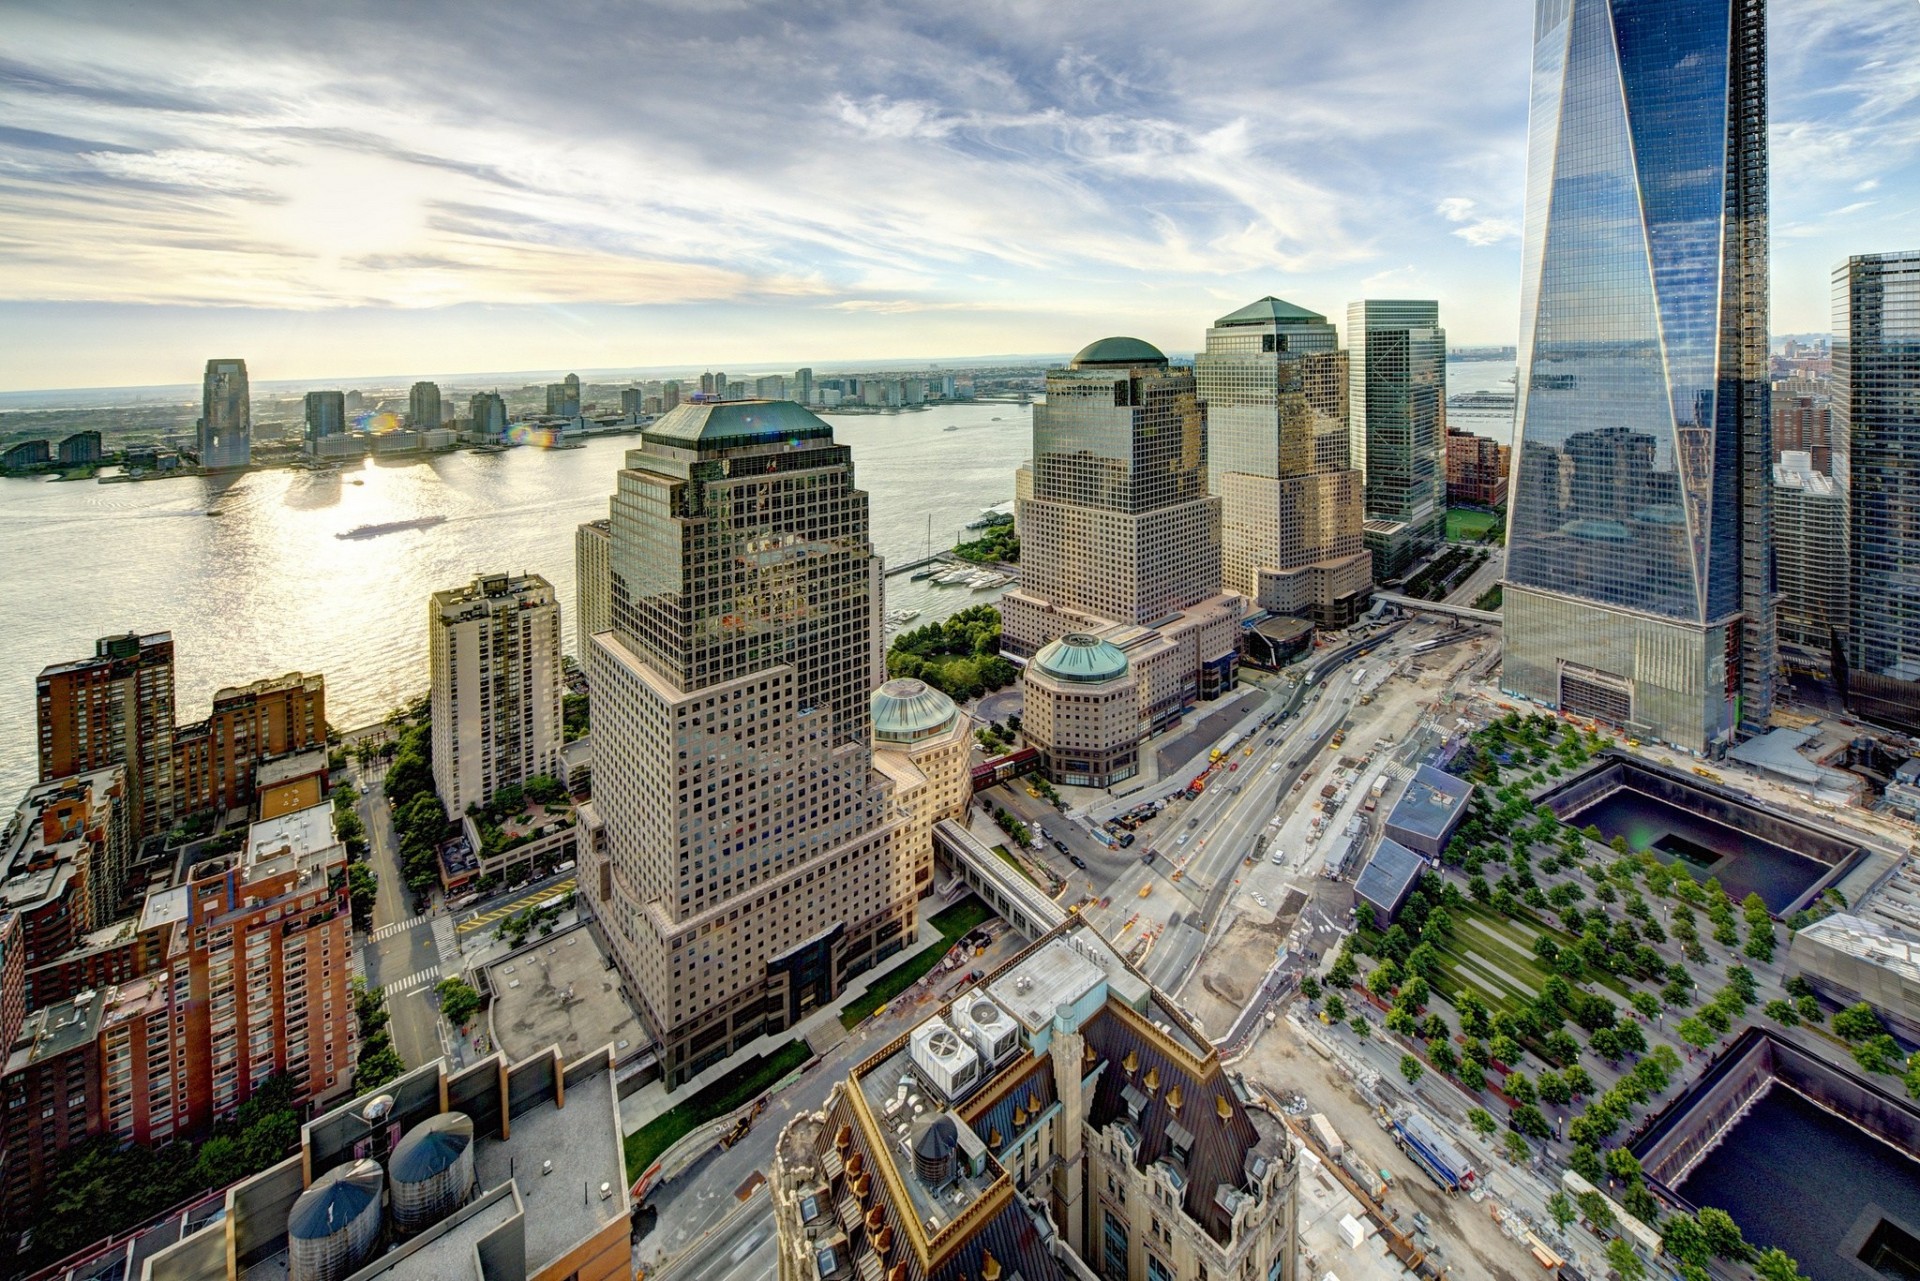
1470	524
1007	857
736	1089
955	921
1493	956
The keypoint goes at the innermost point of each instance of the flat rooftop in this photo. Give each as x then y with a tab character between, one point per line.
294	765
1034	988
1433	801
582	1140
447	1251
1857	936
563	991
298	834
1389	874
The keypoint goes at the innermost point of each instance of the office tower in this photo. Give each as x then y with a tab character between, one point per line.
79	449
64	859
487	416
669	396
593	584
494	649
326	415
216	761
1476	470
1397	375
771	387
1639	586
1275	387
1120	540
633	403
1810	554
115	708
923	744
563	397
1876	459
736	390
225	432
423	407
1067	1122
800	387
740	851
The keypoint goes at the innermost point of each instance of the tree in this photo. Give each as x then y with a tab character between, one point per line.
1878	1054
1443	1056
1577	1079
1529	1120
1310	987
1505	1049
1336	1008
1482	1121
1781	1012
1624	1261
1857	1023
1696	1033
1474	1077
1360	1027
458	1000
1723	1234
1517	1148
1594	1209
362	892
1562	1210
1647	1004
1585	1161
1685	1241
1553	1089
1623	1165
1518	1088
1775	1265
1411	1068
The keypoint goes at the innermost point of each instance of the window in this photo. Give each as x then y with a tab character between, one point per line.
1113	1259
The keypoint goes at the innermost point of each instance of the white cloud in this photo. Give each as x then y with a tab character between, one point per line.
1476	229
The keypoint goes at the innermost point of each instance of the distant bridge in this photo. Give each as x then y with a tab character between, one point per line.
1465	613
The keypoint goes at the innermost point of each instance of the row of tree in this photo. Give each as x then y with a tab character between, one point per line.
959	656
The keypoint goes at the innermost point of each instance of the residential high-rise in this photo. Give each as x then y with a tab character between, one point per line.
215	760
770	387
494	650
1067	1122
1803	421
115	708
1120	540
326	415
633	403
1810	554
64	858
487	416
225	432
423	407
1639	581
1275	386
1476	470
741	852
1876	460
79	449
669	396
1397	373
800	386
593	584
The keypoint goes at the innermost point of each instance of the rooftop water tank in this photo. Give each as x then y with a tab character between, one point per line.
334	1226
934	1140
432	1171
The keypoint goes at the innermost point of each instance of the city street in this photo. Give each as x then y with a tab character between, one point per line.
402	953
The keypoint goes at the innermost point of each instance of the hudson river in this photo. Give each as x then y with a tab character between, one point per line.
265	587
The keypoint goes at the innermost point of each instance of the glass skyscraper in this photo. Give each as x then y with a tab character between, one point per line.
1876	460
1639	586
1397	355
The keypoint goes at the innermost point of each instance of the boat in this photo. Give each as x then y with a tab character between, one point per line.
215	512
392	526
921	575
952	577
950	429
903	615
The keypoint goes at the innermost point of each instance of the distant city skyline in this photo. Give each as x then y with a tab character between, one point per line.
985	186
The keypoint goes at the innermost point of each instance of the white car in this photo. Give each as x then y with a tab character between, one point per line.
1279	858
1184	838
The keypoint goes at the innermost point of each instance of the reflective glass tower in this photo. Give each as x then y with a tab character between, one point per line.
1876	461
1398	370
1639	584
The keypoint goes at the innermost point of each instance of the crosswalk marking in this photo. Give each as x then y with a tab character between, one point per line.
413	982
398	927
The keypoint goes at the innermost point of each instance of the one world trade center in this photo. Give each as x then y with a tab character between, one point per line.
1639	585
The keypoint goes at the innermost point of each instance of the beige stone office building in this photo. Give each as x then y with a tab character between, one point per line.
1119	539
923	743
1082	711
1275	386
741	853
494	648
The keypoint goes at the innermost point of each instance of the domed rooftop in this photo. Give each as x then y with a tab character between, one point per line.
1081	658
906	710
720	424
1117	352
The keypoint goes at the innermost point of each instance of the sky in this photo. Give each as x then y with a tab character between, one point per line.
356	189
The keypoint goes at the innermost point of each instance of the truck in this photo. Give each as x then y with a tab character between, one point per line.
1433	1152
1226	747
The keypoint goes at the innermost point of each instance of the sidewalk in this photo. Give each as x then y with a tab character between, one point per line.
650	1101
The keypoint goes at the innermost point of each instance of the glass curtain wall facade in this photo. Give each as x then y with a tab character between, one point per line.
1275	386
1876	461
1397	356
225	435
1639	536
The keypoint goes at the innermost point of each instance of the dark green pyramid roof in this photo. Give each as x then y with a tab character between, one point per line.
737	422
1271	311
1117	351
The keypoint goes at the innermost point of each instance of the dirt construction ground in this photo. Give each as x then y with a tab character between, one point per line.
1466	1236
